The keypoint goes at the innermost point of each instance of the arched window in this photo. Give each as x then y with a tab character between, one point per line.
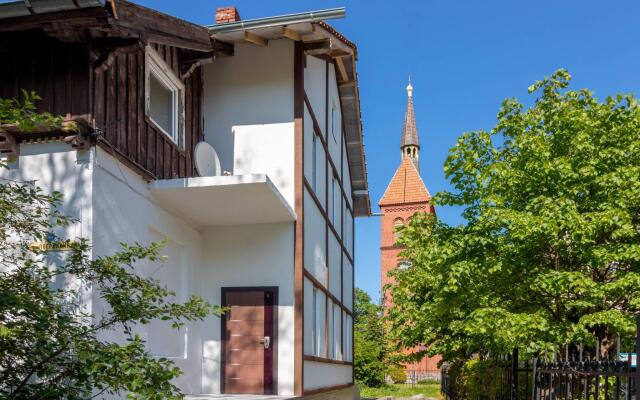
397	224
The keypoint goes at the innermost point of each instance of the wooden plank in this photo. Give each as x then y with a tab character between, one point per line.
166	161
61	85
189	118
291	34
152	149
121	100
159	152
142	129
155	26
343	71
132	105
98	98
255	39
110	102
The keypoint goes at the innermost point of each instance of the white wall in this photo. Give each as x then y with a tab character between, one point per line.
249	255
267	149
318	375
58	167
124	211
252	88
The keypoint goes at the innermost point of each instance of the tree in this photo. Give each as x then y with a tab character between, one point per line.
550	251
50	345
369	342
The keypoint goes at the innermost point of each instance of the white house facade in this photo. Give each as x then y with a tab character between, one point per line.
270	235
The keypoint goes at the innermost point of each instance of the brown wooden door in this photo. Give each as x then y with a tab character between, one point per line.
248	341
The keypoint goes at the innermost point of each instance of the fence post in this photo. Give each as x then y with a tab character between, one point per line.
514	375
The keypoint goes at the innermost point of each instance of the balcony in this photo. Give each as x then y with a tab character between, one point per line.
224	200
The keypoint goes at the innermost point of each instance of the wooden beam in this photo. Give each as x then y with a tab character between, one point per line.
315	46
255	39
291	34
343	70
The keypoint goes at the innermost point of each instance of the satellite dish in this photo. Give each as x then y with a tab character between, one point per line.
206	160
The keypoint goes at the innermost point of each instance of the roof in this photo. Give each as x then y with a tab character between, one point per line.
21	8
322	40
406	186
410	128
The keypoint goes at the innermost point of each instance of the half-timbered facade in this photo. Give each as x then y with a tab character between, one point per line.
271	236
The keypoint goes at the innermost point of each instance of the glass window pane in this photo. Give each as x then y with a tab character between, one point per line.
161	105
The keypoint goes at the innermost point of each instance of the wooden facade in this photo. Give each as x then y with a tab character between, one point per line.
96	72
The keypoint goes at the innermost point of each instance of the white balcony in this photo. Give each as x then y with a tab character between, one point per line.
224	200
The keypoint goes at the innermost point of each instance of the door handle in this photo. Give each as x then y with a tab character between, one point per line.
266	342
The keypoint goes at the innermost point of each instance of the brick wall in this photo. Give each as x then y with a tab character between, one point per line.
224	15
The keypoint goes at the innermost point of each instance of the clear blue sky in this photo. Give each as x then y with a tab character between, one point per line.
465	57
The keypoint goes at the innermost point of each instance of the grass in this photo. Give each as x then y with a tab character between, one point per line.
401	391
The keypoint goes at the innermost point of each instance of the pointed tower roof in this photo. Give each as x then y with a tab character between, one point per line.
406	186
410	129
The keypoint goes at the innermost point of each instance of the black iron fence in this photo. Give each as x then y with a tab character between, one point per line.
573	375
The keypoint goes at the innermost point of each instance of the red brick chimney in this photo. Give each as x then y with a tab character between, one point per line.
224	15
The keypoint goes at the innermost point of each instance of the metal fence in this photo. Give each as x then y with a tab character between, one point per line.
421	376
572	375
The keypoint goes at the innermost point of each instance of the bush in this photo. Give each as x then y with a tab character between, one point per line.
398	374
478	379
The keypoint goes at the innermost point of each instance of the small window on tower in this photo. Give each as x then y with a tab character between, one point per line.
404	264
398	224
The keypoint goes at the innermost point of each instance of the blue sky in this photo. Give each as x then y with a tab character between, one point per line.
465	57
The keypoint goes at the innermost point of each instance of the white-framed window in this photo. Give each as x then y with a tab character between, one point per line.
164	95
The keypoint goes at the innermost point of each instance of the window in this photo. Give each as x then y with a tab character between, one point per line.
398	223
404	264
314	164
334	121
319	321
332	200
164	97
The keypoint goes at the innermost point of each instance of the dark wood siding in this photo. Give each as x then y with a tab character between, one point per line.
58	72
63	74
119	109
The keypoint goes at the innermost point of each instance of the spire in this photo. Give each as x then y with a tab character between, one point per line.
410	129
409	143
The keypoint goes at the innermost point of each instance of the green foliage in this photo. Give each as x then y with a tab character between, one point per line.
398	374
479	379
23	113
550	253
51	346
369	342
403	391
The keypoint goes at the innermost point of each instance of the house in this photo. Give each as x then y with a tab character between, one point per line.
405	196
271	235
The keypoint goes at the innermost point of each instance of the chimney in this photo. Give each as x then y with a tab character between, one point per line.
224	15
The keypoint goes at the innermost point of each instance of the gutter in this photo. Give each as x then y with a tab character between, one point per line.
311	16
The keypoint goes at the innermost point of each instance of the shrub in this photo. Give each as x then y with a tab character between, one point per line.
398	374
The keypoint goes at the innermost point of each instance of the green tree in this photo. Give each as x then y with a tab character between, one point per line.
50	345
369	342
550	251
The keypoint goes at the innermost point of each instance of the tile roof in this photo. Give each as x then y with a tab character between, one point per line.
406	186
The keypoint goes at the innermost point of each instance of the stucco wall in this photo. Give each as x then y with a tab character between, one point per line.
58	167
124	211
318	375
252	93
249	255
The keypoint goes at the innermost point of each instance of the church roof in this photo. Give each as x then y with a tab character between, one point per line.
410	129
406	186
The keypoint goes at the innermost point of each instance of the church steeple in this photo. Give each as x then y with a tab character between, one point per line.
410	144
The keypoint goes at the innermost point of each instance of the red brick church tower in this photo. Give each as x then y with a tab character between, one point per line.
405	196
